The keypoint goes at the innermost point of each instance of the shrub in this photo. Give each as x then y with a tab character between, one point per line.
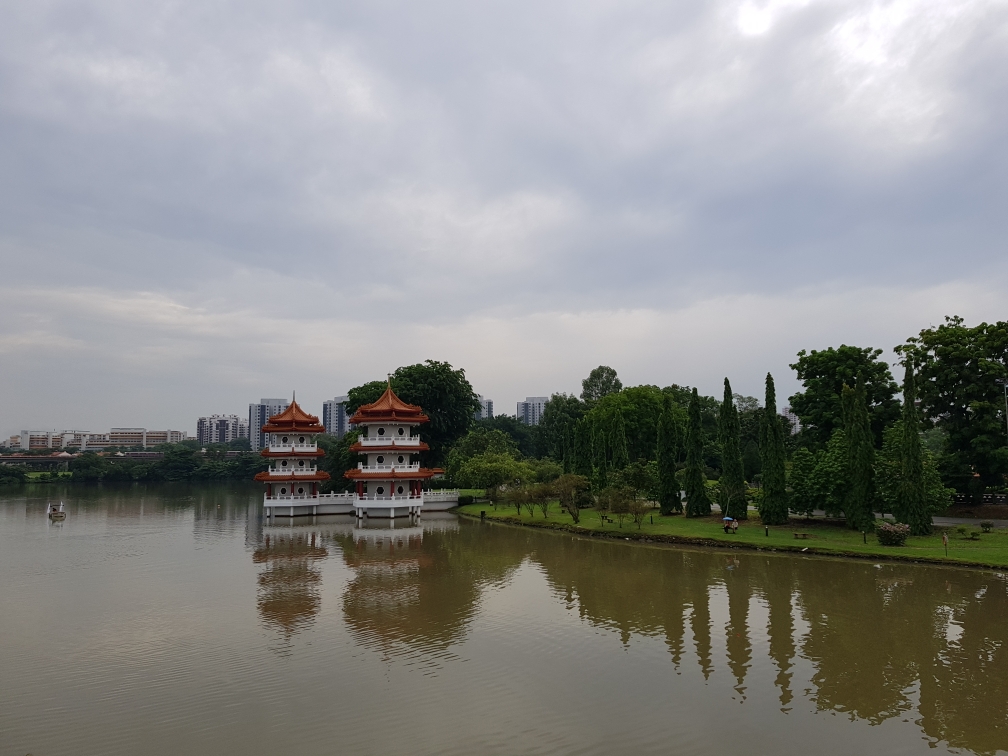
987	526
466	499
892	533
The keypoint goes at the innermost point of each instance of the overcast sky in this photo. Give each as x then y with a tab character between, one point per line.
204	203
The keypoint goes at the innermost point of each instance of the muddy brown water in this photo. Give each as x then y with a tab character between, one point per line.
172	620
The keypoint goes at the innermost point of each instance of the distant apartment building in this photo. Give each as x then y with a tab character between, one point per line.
531	410
485	412
88	441
793	422
259	414
221	429
334	416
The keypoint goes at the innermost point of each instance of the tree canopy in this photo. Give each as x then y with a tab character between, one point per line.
600	382
959	370
823	375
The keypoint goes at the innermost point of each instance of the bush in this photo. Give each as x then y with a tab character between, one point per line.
892	533
465	499
987	526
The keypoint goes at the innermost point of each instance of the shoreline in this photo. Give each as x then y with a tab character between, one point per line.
729	543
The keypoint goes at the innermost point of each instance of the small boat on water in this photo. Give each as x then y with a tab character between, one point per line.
56	511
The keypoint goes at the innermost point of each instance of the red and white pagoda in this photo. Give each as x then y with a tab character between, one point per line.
293	478
391	481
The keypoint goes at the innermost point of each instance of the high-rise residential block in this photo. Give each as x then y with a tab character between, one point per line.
531	410
221	429
485	412
259	414
793	422
335	417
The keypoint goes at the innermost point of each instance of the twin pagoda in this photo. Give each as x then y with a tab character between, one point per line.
388	484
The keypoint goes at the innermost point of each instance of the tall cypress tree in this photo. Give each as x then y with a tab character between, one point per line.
669	499
620	457
860	500
698	502
773	503
912	498
583	448
732	482
599	462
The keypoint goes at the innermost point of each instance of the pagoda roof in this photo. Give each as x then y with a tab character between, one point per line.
293	420
389	409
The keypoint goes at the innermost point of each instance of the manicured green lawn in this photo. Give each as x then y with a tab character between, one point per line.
827	538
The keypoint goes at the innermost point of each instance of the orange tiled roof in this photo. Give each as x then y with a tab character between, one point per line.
293	420
389	409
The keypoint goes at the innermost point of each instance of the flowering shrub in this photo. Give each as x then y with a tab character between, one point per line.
892	533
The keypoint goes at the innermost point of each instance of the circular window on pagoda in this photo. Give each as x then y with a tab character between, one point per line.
402	432
380	459
380	490
301	440
284	463
283	440
283	490
399	490
301	463
400	459
381	431
300	490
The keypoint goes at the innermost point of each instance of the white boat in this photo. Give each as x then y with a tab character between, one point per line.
56	511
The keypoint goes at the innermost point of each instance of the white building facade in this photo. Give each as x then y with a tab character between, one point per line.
530	411
335	417
486	410
221	429
259	415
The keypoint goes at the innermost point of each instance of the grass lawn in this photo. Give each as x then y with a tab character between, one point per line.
823	537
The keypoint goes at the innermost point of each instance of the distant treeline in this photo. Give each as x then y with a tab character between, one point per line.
183	461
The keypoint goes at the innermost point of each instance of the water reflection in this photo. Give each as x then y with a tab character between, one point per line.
288	596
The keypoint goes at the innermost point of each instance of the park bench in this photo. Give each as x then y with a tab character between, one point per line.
802	536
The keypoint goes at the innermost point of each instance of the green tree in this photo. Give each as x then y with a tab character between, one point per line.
823	375
476	442
913	508
731	484
559	417
583	448
751	462
572	491
523	435
889	476
600	382
773	503
959	372
803	495
829	478
669	498
600	463
620	457
443	392
859	507
338	459
698	502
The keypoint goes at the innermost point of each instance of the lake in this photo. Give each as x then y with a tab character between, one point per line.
170	619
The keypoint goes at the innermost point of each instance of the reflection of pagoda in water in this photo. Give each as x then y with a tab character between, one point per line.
289	586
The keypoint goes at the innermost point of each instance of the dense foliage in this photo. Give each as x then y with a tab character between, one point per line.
823	375
181	462
960	373
731	484
773	503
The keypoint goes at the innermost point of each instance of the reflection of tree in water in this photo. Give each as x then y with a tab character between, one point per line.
876	635
289	586
418	594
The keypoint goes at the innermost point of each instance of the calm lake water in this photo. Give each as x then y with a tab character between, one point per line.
173	620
